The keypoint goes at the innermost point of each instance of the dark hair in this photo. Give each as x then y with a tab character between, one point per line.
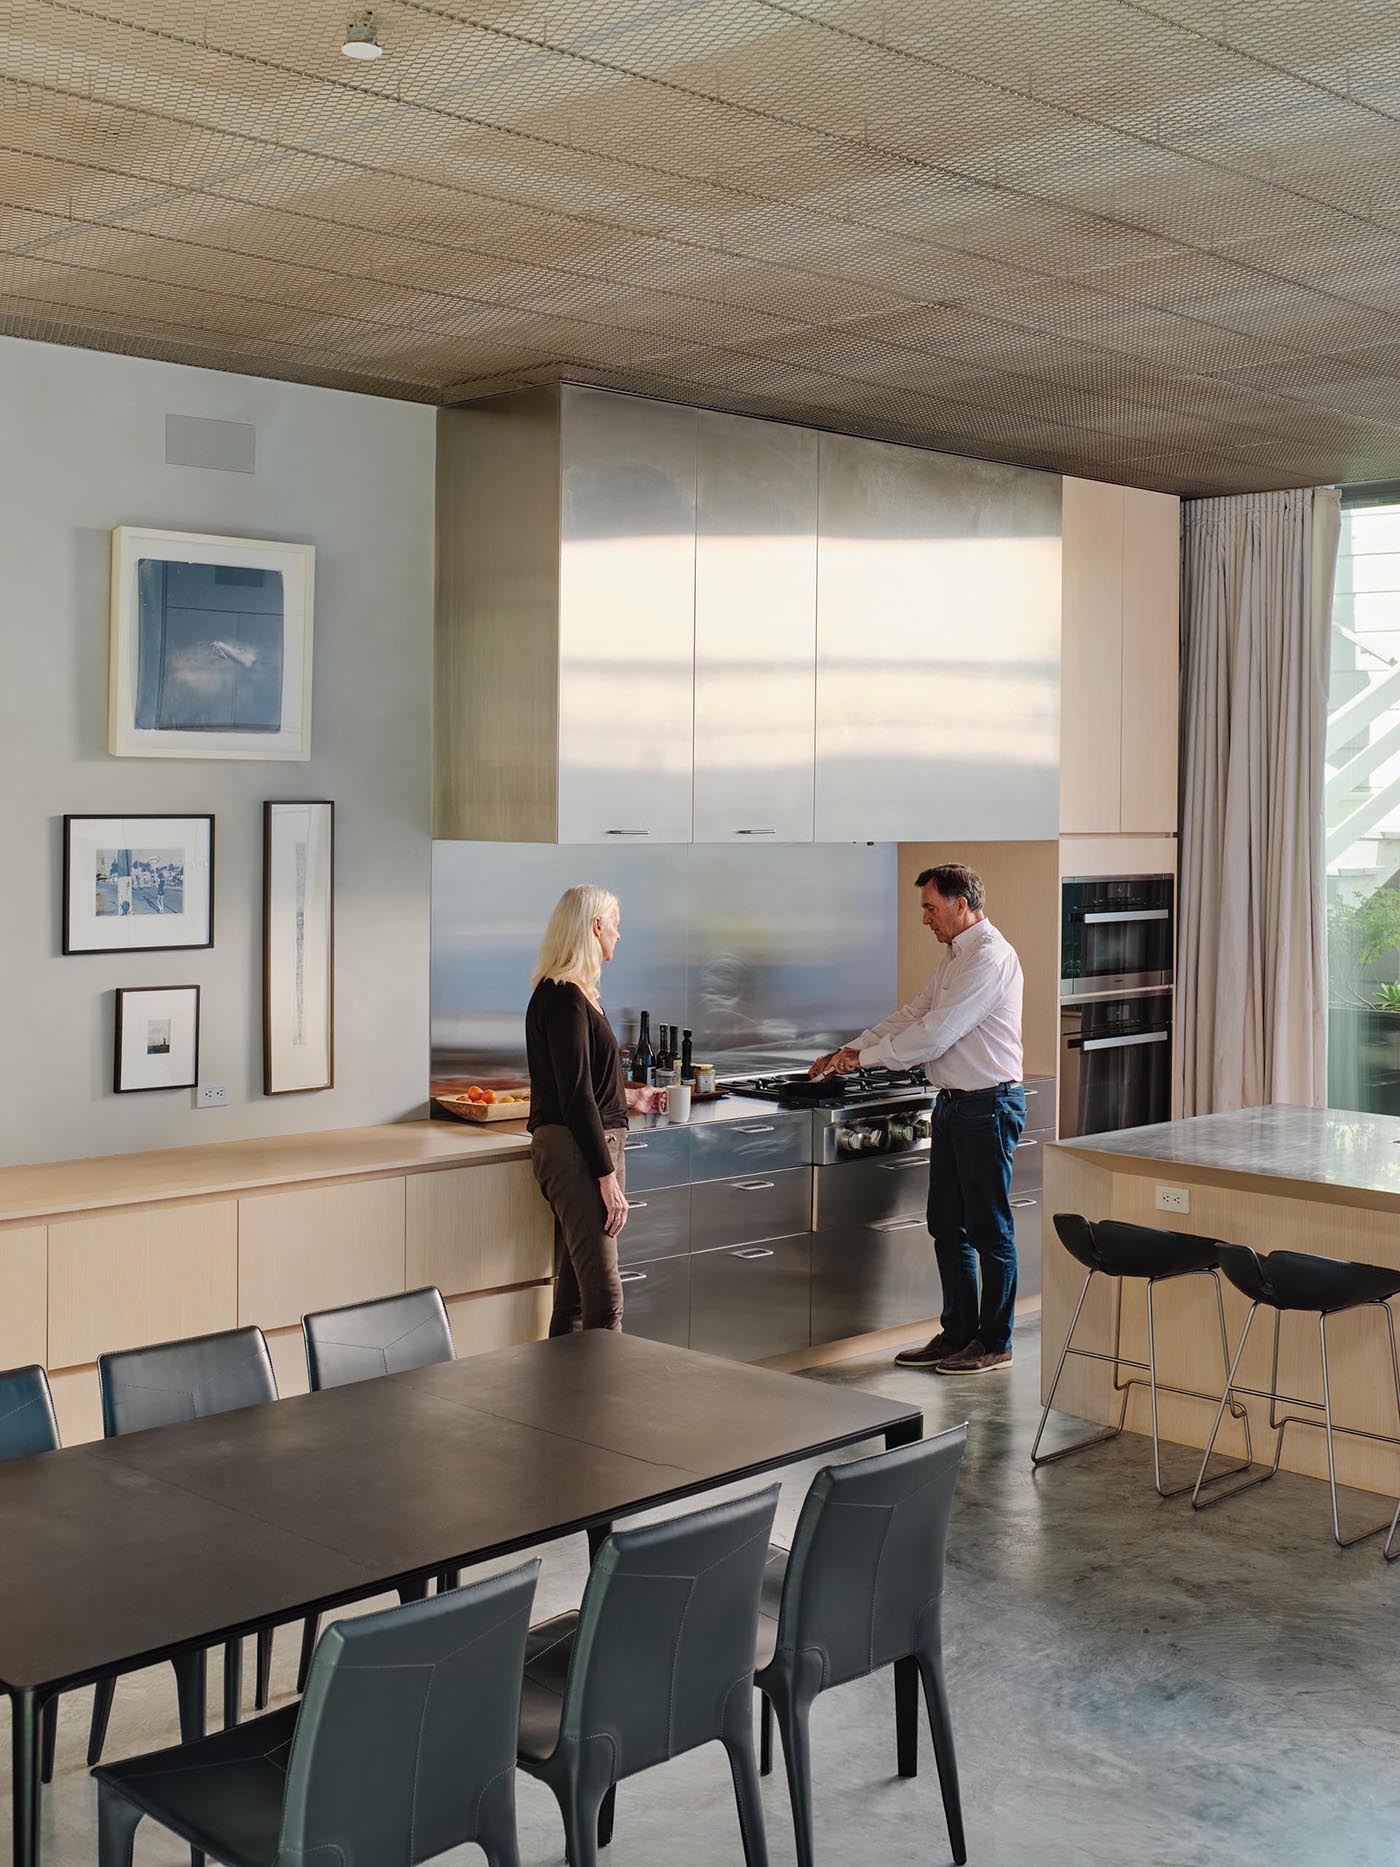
952	879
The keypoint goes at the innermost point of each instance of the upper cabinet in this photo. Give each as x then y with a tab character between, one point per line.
755	631
938	647
1119	673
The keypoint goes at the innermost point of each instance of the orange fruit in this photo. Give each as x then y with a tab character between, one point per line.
488	1095
476	1093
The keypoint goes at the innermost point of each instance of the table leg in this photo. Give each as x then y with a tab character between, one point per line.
598	1534
907	1433
25	1711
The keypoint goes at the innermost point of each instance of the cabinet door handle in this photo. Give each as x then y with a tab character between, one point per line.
753	1186
770	1128
627	833
749	1255
636	1205
897	1225
632	1277
1025	1202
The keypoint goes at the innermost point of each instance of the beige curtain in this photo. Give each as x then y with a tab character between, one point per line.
1251	1012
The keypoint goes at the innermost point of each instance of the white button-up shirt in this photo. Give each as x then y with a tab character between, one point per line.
965	1026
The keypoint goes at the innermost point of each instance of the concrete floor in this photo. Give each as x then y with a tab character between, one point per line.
1131	1683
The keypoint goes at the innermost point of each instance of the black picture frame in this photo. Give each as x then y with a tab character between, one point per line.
272	1085
74	949
119	1047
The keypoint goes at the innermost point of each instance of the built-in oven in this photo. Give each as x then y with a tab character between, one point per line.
1116	934
1115	1063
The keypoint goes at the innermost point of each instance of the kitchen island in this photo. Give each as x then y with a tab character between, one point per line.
1325	1181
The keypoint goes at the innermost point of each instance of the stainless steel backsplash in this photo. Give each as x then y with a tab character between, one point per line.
767	954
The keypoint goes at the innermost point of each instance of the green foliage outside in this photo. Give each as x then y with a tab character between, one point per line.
1358	934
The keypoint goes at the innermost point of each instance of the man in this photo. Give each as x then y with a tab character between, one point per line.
965	1028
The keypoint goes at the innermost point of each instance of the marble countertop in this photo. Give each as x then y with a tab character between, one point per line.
1320	1147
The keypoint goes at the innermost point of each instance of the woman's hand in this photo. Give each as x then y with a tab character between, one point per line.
644	1101
614	1204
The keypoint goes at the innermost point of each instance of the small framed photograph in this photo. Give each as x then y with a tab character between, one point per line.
142	884
157	1038
298	947
210	647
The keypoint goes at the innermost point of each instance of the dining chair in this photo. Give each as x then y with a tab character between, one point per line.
861	1589
160	1385
360	1342
402	1748
657	1661
29	1425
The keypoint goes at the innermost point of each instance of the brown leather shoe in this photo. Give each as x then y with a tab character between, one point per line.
939	1349
974	1359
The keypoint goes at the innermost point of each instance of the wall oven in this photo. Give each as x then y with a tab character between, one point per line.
1115	1063
1117	934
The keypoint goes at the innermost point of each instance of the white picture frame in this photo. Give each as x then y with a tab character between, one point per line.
157	1038
210	646
298	946
139	883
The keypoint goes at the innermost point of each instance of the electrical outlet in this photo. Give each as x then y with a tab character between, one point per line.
211	1096
1173	1199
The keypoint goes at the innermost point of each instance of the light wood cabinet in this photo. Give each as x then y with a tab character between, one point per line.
318	1247
1119	661
122	1279
499	1319
24	1295
477	1228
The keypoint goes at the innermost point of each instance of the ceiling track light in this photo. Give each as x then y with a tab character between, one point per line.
362	37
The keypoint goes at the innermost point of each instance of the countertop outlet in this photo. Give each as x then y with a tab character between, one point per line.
1173	1199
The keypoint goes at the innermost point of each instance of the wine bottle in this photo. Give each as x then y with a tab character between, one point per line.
687	1058
644	1057
663	1055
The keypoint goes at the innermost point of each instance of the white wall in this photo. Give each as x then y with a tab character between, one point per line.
82	448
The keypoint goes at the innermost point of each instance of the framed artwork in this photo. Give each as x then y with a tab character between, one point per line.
210	647
298	947
142	884
157	1038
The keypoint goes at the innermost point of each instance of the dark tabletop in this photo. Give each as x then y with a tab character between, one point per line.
116	1552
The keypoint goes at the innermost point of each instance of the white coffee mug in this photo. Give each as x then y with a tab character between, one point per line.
678	1102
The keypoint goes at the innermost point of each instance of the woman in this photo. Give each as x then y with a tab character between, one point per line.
578	1109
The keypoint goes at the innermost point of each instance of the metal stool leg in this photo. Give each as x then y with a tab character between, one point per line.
1388	1549
1197	1501
1362	1536
1237	1411
1095	1439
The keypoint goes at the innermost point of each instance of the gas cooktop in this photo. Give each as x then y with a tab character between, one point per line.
856	1090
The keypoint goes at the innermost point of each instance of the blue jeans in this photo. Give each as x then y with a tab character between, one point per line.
969	1212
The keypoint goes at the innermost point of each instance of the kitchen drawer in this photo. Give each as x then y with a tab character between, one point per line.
722	1149
860	1192
873	1277
751	1301
1028	1165
1041	1096
658	1224
656	1157
656	1301
1028	1210
761	1205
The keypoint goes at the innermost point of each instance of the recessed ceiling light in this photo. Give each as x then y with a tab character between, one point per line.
362	38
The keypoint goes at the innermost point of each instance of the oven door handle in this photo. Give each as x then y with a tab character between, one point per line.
1117	1043
897	1225
1123	916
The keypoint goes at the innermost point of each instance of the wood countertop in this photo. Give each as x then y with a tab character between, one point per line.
51	1189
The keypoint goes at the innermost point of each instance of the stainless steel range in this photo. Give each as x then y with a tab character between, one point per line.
868	1112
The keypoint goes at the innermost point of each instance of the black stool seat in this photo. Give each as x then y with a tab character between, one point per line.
1144	1251
1299	1280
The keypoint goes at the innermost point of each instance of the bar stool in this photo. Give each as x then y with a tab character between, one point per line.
1296	1280
1111	1249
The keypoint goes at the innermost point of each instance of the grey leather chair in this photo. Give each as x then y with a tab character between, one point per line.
657	1661
29	1425
403	1747
359	1343
861	1589
159	1386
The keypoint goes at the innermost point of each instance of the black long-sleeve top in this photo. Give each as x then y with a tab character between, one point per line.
575	1069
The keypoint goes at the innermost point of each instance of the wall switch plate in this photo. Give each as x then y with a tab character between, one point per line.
1173	1199
211	1096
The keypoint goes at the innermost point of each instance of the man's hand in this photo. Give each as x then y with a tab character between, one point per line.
837	1062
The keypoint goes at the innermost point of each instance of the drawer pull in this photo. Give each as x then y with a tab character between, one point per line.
636	1205
753	1186
627	833
897	1225
750	1254
1030	1143
1025	1202
908	1160
632	1277
771	1128
755	832
635	1147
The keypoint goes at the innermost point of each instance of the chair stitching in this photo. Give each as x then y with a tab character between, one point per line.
417	1760
23	1407
891	1513
675	1667
490	1783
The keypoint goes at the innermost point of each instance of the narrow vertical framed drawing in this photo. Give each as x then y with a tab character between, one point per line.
298	947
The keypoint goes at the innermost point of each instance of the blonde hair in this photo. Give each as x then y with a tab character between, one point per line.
569	952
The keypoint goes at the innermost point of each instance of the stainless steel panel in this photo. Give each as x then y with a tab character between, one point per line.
762	1142
755	631
1115	1063
626	619
1041	1110
938	646
1028	1211
872	1277
657	1157
1028	1164
658	1224
752	1301
656	1300
740	1212
865	1191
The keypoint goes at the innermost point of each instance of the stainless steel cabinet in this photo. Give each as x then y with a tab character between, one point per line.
938	599
872	1277
767	1141
1028	1211
755	631
743	1211
656	1301
864	1192
752	1301
626	619
656	1157
658	1224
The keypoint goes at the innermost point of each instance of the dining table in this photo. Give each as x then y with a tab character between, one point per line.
122	1553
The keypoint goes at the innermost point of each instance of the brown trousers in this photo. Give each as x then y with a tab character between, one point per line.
587	1288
